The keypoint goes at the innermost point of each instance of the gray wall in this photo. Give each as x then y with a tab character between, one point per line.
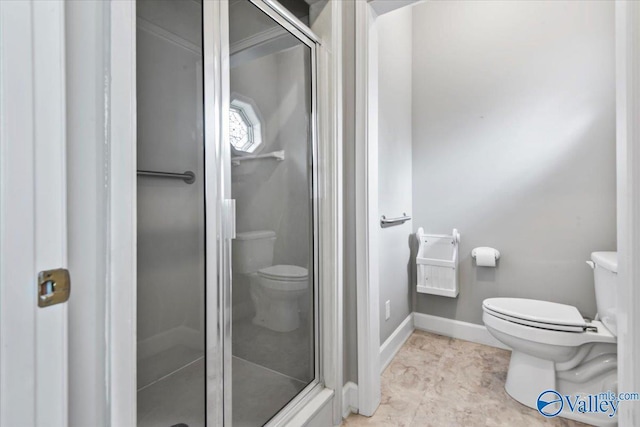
514	144
394	165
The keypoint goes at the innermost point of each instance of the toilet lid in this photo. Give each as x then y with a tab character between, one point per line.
542	314
284	272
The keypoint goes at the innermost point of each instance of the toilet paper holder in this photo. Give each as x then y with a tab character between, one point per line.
496	252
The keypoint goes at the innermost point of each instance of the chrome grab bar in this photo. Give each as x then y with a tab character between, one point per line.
188	176
387	222
278	155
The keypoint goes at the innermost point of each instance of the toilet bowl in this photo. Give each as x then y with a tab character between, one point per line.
276	293
555	348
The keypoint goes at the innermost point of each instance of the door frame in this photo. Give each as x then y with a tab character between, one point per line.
627	32
121	283
627	28
366	208
33	213
366	204
122	216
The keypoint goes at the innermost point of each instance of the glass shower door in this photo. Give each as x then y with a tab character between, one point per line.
274	268
227	329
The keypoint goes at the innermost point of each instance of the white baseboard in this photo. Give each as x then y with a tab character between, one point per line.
392	345
456	329
349	399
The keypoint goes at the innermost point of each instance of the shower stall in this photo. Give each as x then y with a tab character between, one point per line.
237	343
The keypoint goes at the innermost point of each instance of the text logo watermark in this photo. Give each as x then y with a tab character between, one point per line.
551	403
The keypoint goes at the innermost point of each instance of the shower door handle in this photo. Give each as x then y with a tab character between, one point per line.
229	219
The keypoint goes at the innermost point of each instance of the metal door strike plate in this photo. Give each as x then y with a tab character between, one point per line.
54	287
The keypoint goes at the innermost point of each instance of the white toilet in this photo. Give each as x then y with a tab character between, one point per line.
555	348
275	289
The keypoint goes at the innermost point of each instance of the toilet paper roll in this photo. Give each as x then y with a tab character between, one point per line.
485	257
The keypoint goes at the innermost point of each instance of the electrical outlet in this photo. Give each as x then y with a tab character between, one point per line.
387	306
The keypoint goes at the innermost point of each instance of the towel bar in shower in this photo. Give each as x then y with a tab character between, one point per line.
278	155
388	222
188	176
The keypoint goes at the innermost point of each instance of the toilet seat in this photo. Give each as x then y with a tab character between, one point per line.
284	277
286	273
535	313
549	336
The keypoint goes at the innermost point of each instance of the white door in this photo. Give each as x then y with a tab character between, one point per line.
33	340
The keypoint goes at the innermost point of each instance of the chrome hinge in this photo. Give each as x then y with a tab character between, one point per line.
229	219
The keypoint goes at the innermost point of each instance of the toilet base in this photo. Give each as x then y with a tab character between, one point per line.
276	310
260	302
282	316
529	376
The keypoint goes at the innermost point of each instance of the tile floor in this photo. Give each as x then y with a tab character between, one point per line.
443	382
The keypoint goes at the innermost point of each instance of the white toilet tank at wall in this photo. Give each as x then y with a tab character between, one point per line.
605	273
253	250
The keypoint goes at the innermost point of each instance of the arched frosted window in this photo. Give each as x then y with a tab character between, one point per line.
245	133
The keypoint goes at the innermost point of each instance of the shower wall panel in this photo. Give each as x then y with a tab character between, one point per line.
170	211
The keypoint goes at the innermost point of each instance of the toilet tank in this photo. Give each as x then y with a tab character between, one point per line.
605	274
253	250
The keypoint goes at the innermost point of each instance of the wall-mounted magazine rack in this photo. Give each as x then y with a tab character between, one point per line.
437	263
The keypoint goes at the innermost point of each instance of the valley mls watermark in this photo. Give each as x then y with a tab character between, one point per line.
551	403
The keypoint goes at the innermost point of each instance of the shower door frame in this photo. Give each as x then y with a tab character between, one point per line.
219	215
120	114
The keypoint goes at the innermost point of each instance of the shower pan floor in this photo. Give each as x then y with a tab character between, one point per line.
160	365
289	353
258	393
